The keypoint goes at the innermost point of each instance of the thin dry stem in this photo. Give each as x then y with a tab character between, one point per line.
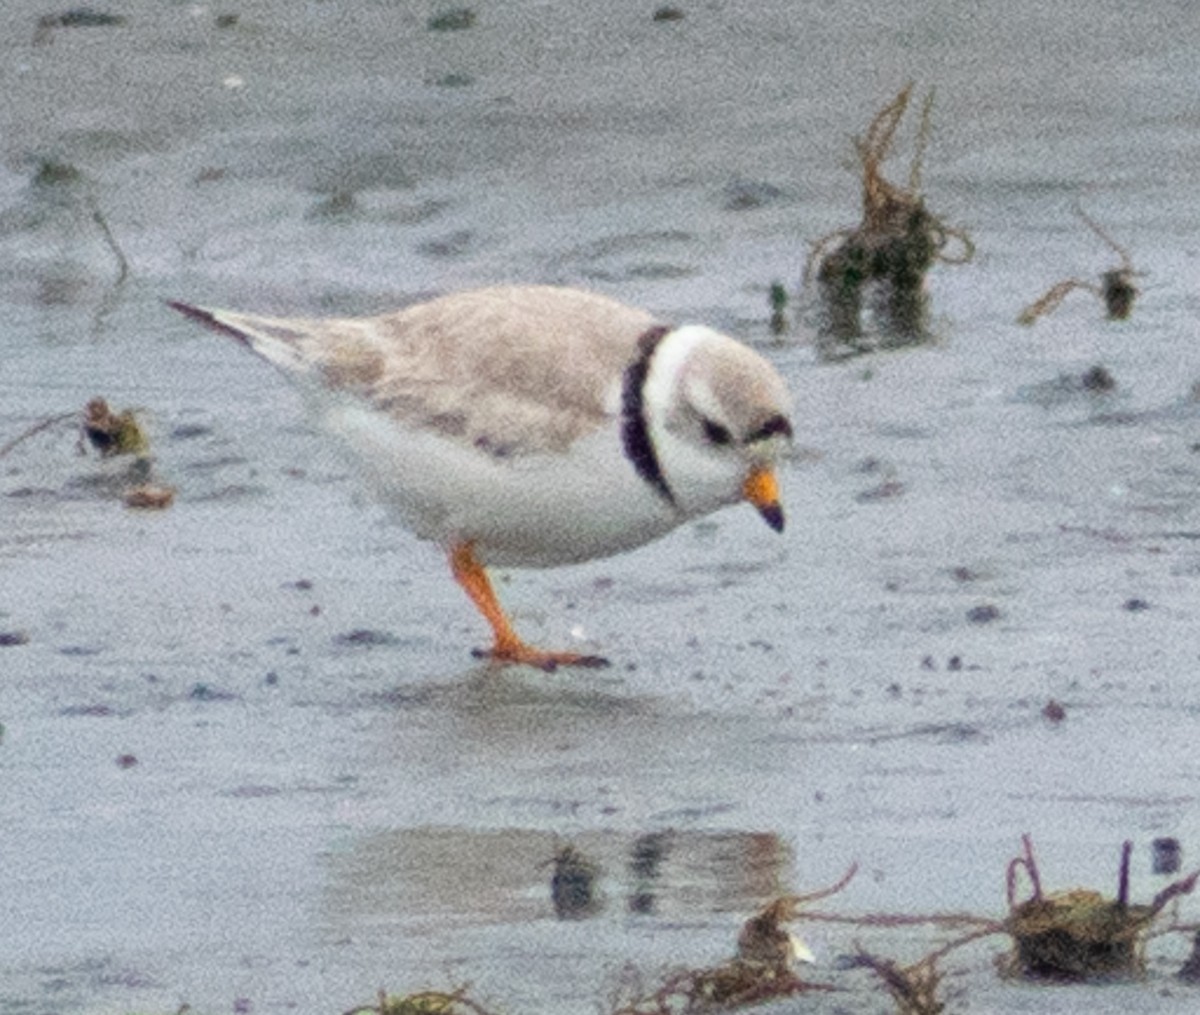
913	988
986	924
1094	226
1049	300
37	428
924	133
1031	869
113	245
787	907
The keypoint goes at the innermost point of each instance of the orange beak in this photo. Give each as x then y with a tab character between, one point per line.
762	490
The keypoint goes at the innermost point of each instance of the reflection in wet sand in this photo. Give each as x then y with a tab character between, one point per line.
422	876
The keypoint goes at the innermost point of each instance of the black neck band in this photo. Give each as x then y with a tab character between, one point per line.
635	431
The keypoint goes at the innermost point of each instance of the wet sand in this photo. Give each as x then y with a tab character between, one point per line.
248	761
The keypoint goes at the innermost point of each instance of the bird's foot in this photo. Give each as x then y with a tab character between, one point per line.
520	654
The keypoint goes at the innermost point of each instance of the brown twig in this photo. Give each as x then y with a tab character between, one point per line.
900	919
1183	887
1094	226
913	988
793	902
37	428
1116	289
1031	869
1123	875
1052	297
111	241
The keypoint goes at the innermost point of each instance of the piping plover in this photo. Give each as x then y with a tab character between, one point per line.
532	426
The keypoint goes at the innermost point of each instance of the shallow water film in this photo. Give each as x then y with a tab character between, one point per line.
247	761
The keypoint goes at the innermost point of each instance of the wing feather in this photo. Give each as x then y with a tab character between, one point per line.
508	369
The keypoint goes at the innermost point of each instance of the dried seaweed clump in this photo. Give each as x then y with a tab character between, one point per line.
426	1002
1116	289
112	433
914	988
1079	934
762	969
107	432
119	433
889	252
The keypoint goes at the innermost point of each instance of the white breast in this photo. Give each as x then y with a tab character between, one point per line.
537	510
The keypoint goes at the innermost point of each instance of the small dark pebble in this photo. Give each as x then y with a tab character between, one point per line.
80	17
225	20
1168	855
205	692
457	244
1135	605
79	651
748	195
954	664
453	20
9	638
983	614
886	490
90	711
126	760
453	79
1053	711
365	636
341	204
951	732
642	903
1098	378
254	791
189	431
52	173
300	585
668	14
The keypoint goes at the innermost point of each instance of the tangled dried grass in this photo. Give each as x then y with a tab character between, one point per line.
914	988
891	249
761	970
425	1002
110	435
1116	289
1079	934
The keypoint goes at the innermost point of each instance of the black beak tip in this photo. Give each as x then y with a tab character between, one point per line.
773	515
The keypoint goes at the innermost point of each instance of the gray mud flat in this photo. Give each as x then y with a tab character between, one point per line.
247	760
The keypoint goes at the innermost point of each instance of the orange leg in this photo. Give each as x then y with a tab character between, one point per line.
507	647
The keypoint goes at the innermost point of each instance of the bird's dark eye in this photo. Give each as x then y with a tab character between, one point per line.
716	433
